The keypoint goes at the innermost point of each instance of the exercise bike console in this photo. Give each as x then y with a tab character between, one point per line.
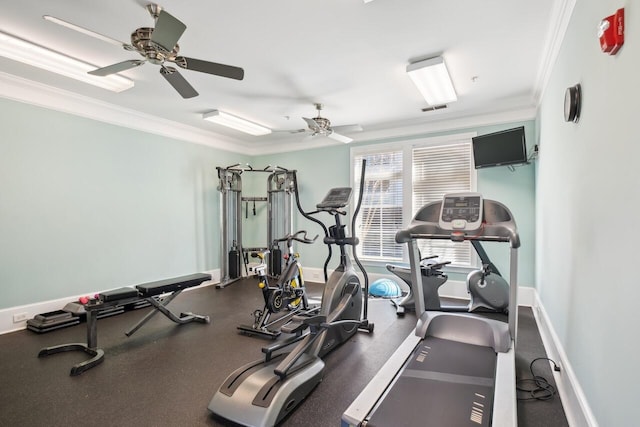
461	212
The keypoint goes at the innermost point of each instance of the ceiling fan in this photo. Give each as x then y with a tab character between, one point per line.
322	126
159	45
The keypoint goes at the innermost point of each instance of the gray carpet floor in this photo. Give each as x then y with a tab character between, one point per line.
165	374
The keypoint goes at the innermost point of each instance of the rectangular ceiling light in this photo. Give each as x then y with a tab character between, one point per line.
234	122
433	81
32	54
82	30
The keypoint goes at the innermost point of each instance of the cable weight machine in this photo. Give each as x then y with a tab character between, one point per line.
280	186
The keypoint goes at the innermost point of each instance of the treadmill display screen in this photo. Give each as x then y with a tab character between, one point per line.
467	208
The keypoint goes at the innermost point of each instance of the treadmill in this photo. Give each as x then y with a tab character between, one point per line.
456	369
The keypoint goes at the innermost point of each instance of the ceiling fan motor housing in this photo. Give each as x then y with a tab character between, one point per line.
324	125
141	40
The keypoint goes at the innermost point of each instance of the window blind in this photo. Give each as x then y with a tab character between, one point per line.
400	179
382	205
438	170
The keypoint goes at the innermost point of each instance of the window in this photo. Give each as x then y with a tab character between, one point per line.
399	180
381	211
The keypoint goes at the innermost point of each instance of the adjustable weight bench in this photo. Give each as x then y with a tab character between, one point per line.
159	294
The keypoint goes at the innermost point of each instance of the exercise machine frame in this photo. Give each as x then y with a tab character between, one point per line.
288	293
264	392
159	294
469	329
493	296
280	184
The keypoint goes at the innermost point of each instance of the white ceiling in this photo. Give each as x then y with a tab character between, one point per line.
346	54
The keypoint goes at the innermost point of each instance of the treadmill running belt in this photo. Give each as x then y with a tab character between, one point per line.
444	383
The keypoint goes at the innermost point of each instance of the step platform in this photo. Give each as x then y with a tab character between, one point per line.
46	322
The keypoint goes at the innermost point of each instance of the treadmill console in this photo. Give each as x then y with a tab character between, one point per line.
461	211
336	198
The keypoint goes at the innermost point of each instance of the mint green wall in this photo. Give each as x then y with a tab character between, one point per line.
87	206
587	204
318	170
321	169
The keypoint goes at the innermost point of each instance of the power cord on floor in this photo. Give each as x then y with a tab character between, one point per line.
537	387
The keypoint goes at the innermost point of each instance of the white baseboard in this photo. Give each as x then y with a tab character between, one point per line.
576	406
29	311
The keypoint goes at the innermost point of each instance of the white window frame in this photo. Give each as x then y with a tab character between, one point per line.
407	147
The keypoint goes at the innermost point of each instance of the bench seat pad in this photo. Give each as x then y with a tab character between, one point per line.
172	285
118	294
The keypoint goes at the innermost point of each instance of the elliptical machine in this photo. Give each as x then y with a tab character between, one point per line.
487	289
264	392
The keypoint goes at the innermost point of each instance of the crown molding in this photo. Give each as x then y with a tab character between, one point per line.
42	95
561	16
390	133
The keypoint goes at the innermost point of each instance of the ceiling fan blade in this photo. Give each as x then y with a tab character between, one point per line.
116	68
312	124
347	128
168	31
87	32
178	82
210	67
340	138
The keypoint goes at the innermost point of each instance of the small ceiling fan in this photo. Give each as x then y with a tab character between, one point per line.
322	126
159	45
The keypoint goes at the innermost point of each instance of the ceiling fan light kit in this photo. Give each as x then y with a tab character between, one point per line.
432	79
237	123
32	54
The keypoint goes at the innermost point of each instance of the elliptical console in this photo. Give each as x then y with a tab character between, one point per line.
336	198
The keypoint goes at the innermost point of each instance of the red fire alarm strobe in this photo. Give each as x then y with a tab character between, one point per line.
611	32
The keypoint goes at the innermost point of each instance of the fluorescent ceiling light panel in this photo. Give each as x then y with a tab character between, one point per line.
32	54
433	81
234	122
82	30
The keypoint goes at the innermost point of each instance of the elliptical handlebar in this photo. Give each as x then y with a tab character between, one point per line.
310	218
330	211
365	320
304	239
351	241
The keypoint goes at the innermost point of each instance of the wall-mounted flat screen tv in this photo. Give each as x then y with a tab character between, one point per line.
507	147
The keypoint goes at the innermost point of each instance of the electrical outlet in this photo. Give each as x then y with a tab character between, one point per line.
20	317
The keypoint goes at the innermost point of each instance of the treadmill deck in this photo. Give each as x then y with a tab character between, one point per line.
443	383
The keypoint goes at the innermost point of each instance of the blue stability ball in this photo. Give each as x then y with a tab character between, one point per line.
385	288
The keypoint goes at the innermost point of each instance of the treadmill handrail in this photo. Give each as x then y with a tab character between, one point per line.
498	225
